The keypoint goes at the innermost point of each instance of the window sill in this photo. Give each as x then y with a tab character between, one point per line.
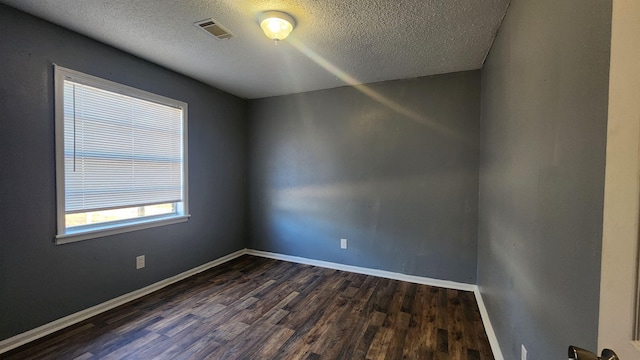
96	232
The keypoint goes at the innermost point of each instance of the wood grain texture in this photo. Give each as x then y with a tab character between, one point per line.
256	308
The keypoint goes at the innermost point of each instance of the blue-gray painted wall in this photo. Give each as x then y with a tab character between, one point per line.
392	167
543	137
41	282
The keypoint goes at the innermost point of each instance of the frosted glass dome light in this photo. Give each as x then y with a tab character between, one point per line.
277	25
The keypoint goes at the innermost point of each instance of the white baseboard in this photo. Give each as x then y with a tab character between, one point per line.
44	330
49	328
493	339
366	271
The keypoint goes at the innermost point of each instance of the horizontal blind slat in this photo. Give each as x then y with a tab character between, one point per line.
119	151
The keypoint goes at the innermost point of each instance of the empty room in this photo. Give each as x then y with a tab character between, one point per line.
230	179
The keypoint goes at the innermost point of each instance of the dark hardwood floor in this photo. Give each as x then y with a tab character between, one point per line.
256	308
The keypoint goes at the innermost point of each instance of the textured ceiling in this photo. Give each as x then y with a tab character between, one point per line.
336	42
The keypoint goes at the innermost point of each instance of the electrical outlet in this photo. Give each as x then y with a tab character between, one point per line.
523	354
343	243
139	262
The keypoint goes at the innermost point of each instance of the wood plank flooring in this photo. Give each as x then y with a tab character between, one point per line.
256	308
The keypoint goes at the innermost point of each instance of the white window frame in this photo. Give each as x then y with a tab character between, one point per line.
85	232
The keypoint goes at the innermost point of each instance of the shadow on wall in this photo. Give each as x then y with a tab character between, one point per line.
384	217
392	167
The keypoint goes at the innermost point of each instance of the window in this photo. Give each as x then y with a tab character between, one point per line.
121	157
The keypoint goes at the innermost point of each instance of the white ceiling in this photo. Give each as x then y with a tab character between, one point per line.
336	42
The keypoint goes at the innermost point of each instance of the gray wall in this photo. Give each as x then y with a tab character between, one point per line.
543	135
40	282
396	176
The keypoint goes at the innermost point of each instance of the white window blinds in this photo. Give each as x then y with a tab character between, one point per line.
119	151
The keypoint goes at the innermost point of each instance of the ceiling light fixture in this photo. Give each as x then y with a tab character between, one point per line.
277	25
